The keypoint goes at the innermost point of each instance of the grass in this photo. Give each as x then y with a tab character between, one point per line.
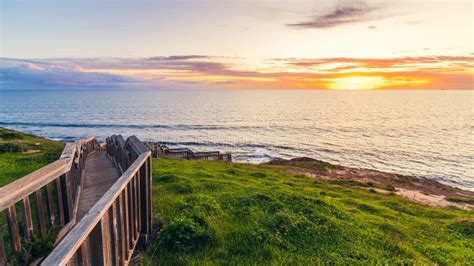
227	213
22	154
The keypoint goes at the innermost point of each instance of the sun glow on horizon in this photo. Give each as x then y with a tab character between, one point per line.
374	82
357	83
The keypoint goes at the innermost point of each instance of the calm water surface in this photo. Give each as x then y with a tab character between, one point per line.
422	133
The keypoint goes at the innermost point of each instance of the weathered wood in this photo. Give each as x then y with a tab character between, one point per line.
40	212
17	190
95	244
131	212
49	197
106	241
27	221
127	221
115	233
144	197
137	203
69	197
13	228
72	241
99	176
34	182
60	201
122	232
84	251
3	254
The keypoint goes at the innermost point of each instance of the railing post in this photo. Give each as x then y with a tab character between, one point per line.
40	212
13	227
66	200
95	244
27	221
145	202
106	243
59	195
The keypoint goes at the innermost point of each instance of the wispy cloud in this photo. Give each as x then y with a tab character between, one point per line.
343	13
178	57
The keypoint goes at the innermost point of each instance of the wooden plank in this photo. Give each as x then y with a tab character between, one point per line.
95	247
135	202
149	191
137	186
144	204
72	241
131	212
40	212
84	251
99	175
68	152
106	241
13	228
60	201
115	233
69	196
127	221
17	190
27	221
49	196
3	254
123	243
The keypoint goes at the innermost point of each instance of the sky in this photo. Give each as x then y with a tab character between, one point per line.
293	44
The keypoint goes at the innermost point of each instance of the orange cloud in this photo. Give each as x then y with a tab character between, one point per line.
428	72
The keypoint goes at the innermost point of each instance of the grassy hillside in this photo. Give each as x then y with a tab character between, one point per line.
21	154
217	212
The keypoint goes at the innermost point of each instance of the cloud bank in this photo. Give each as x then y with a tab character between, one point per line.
190	71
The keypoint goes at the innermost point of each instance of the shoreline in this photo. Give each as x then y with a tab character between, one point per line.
421	190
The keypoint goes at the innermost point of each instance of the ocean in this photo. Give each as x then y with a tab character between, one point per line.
422	133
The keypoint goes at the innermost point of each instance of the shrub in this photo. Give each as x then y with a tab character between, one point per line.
185	234
181	188
166	178
7	134
10	147
258	175
461	200
463	226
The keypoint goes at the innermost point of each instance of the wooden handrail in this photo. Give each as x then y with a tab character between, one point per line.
56	189
17	190
68	247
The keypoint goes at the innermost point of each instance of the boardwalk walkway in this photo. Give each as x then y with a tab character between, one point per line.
101	211
100	174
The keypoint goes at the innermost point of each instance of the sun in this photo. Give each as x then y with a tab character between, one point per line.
356	83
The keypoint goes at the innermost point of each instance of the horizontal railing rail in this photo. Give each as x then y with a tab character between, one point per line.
45	199
121	219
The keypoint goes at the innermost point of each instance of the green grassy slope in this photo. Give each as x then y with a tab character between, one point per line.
217	212
21	154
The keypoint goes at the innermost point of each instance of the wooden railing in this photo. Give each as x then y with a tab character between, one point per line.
52	192
121	219
158	150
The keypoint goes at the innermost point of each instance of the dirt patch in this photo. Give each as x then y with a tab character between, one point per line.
29	151
416	189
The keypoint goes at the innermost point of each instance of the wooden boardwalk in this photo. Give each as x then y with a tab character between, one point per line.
100	174
102	211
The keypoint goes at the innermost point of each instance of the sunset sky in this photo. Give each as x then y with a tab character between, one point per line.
219	44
